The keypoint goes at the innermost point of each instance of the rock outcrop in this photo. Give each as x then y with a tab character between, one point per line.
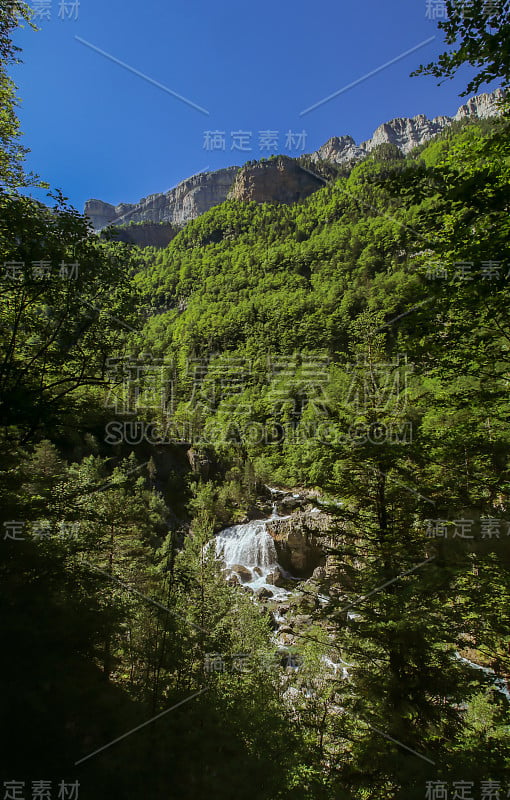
200	462
406	133
279	180
298	542
147	234
339	150
185	202
481	106
99	213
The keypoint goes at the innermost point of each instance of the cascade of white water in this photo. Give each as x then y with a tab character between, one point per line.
248	545
251	548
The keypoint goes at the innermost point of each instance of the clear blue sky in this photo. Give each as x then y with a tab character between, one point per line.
96	129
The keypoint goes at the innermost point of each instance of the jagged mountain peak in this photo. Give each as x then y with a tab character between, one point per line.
406	132
279	180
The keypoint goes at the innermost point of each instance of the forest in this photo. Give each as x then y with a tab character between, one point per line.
355	344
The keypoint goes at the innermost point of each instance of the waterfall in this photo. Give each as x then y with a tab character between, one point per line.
249	545
251	548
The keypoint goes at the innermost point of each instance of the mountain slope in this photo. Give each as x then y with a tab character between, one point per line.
282	180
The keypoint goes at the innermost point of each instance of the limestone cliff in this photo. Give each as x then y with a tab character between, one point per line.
100	214
406	133
188	200
147	234
279	180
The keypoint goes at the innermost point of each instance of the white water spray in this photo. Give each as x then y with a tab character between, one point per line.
252	547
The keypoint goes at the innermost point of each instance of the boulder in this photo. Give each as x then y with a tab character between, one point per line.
263	593
243	573
290	502
275	578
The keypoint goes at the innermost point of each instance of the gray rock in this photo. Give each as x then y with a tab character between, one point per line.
243	573
99	213
406	133
280	180
289	503
147	234
275	578
319	573
298	548
263	593
192	197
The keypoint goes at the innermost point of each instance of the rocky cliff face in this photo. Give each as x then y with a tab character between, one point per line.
100	214
188	200
405	133
482	106
147	234
280	180
298	542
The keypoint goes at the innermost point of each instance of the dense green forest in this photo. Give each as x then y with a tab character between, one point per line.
356	343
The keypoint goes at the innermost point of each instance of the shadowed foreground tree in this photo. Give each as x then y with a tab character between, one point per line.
479	31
